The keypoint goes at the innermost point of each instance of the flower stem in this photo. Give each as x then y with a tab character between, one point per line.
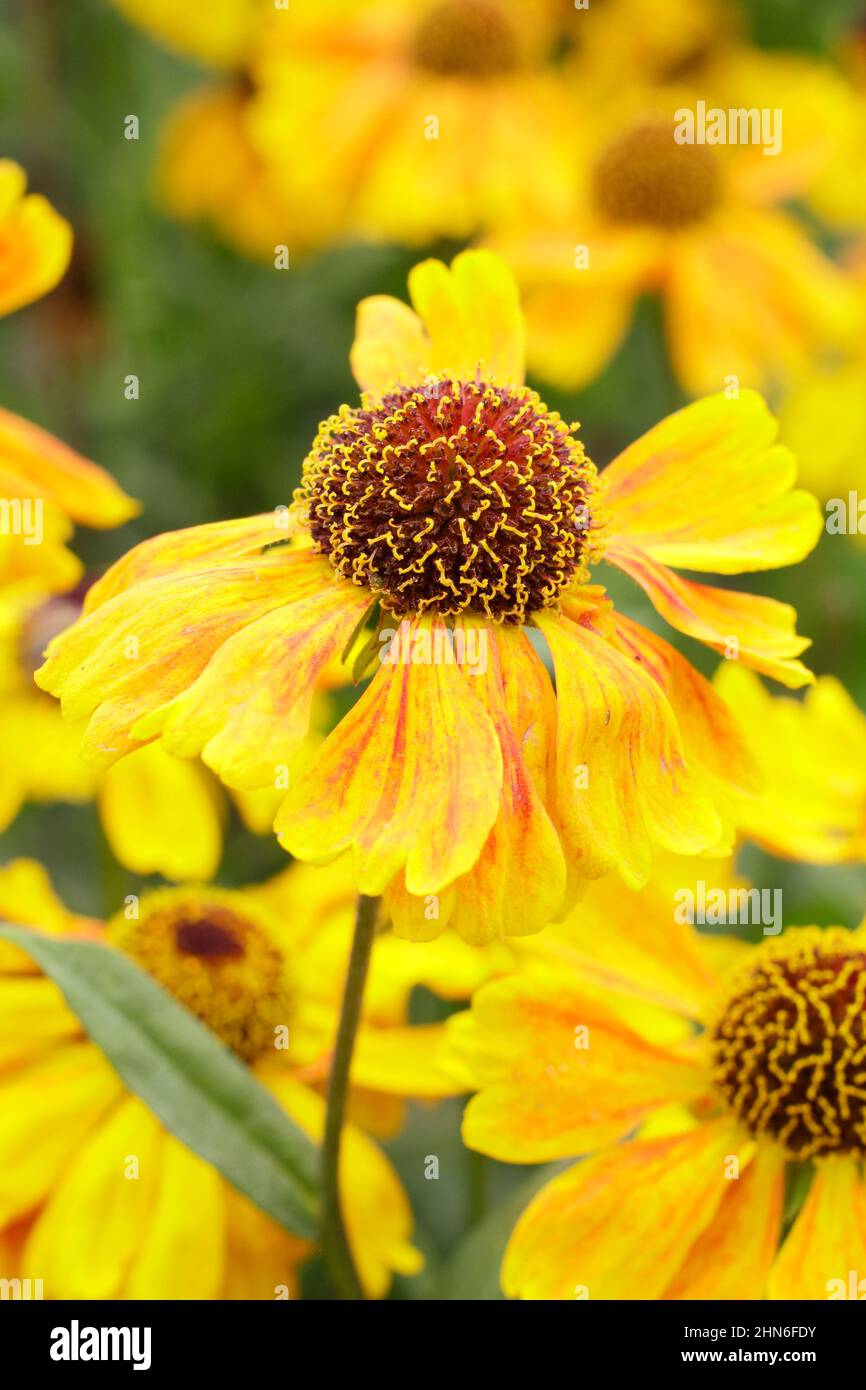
335	1243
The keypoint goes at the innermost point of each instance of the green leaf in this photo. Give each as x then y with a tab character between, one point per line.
202	1093
472	1273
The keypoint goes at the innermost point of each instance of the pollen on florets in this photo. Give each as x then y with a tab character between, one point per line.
788	1047
218	954
644	177
461	496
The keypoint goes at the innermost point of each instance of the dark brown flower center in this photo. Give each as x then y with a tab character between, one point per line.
466	38
789	1047
645	178
462	496
215	952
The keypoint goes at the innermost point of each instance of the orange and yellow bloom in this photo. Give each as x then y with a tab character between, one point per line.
453	507
693	1073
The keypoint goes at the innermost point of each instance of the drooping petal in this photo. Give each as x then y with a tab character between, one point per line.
746	627
471	311
828	1239
140	649
410	777
623	782
247	726
619	1226
709	489
181	1252
713	740
518	883
563	1065
732	1257
162	816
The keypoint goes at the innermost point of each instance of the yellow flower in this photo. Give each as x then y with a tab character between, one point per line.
745	291
44	485
810	801
180	1231
689	1134
454	502
418	117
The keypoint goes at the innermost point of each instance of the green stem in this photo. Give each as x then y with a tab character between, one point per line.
335	1243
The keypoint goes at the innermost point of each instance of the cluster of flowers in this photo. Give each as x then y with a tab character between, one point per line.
527	820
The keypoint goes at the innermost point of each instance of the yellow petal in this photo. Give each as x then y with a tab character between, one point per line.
410	777
390	347
48	1108
562	1066
811	800
732	1257
98	1214
619	1226
709	489
472	314
181	1252
35	241
828	1238
162	816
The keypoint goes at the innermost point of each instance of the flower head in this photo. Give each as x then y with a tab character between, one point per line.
695	1078
182	1230
437	524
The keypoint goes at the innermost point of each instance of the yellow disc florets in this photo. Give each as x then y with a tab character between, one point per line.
788	1046
217	952
644	177
466	38
458	496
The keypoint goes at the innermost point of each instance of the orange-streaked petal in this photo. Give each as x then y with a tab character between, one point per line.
518	884
48	469
620	1225
710	489
828	1239
148	644
745	627
35	241
562	1065
713	740
623	783
732	1257
410	777
247	727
